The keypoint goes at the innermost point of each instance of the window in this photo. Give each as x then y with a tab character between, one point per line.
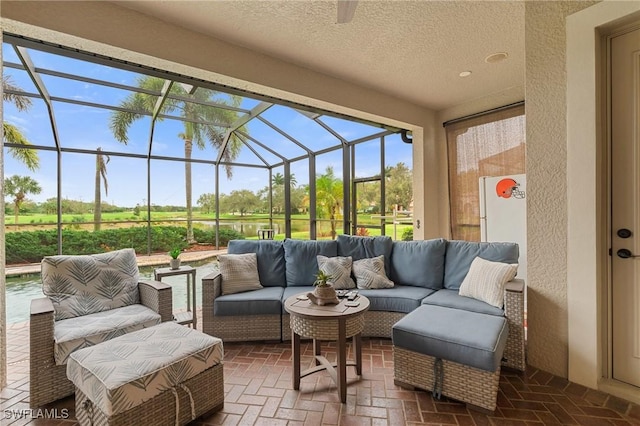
491	144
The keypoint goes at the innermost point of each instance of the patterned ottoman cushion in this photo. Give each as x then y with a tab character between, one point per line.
124	372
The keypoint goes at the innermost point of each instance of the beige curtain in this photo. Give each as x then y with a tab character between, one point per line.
492	144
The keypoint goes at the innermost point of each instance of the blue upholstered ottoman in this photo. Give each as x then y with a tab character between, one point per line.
453	352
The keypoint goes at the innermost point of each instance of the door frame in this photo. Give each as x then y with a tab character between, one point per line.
607	299
587	228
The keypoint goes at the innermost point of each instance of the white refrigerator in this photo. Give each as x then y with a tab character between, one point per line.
503	213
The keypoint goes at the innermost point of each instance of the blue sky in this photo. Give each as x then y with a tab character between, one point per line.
86	127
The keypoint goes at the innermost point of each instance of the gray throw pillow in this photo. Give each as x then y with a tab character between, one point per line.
370	273
340	270
239	272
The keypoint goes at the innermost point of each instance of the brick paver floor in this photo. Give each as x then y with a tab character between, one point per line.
258	392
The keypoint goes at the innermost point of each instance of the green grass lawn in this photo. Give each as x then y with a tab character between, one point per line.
123	219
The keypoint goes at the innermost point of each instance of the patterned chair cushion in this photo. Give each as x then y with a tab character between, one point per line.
76	333
126	371
86	284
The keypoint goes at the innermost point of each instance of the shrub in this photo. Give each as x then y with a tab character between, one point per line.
209	236
32	246
407	234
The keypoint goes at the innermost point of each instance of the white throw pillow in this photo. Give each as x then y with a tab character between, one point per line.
486	280
370	273
340	270
239	272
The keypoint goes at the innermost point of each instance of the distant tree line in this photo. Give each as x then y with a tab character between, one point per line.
329	192
329	198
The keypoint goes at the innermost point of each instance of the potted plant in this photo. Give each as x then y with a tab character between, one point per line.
175	260
324	293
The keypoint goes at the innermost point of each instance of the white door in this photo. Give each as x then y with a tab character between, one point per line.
625	209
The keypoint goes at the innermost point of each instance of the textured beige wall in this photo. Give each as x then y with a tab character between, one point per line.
545	83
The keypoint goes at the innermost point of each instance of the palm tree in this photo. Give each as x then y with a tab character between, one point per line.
11	133
329	193
201	123
101	172
278	179
18	187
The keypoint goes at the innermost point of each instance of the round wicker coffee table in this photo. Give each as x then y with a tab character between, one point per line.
329	322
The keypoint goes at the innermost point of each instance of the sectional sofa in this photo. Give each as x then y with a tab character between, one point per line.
423	272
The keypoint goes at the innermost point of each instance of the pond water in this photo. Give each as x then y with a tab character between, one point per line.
21	290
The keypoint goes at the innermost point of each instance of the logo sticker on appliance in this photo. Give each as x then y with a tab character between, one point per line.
508	188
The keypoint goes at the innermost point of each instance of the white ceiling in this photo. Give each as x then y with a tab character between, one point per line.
413	50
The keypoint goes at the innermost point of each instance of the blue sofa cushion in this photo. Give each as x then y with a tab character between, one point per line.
266	301
364	247
301	259
451	299
292	291
270	256
460	254
397	299
467	338
418	263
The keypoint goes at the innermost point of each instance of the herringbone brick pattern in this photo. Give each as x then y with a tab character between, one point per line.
258	392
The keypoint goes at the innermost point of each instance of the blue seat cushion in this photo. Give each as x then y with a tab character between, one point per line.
460	254
365	247
418	263
301	259
291	291
401	298
468	338
266	301
451	299
270	255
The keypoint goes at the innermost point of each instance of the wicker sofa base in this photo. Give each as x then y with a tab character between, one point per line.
243	328
478	388
207	391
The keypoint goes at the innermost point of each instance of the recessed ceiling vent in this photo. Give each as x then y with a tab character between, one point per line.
496	57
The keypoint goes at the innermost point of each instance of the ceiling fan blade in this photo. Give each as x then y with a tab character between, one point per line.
346	9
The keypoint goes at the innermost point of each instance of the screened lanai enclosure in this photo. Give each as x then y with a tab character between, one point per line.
101	154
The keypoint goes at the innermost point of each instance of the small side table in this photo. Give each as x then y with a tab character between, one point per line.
329	322
188	317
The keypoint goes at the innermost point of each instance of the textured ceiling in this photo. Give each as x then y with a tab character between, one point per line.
413	50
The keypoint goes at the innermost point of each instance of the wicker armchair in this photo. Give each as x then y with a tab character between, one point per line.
69	319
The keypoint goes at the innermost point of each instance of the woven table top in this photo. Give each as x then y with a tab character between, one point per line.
307	309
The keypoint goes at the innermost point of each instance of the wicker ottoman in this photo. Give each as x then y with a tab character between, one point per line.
167	374
453	352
